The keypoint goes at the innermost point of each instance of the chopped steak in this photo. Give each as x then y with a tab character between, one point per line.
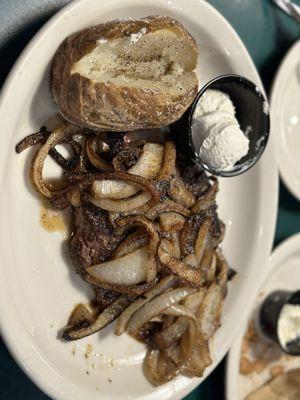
93	242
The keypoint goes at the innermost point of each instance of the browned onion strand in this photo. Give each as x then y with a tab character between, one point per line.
132	242
105	318
154	241
165	279
31	140
165	284
95	159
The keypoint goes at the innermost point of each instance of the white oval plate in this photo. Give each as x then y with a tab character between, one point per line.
285	112
281	272
38	286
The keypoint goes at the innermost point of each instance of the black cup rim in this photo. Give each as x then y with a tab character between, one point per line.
250	163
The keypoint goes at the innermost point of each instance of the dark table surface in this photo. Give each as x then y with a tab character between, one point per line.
266	32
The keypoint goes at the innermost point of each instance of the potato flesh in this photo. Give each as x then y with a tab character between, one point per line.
158	60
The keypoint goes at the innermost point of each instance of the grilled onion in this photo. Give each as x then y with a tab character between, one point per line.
56	137
123	205
134	241
95	158
166	206
105	318
127	270
152	249
171	221
178	191
165	284
210	311
155	307
191	275
147	167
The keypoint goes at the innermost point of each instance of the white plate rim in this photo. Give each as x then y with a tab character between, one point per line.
288	246
290	178
268	231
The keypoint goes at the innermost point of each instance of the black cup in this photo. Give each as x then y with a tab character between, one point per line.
251	111
269	316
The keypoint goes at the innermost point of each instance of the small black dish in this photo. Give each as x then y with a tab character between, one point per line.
251	111
269	315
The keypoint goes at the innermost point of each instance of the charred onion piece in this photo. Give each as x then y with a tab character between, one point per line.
31	140
191	275
165	284
56	137
113	216
166	206
207	200
189	233
155	307
178	191
105	318
65	198
95	158
80	315
147	167
154	241
171	221
133	242
202	240
127	157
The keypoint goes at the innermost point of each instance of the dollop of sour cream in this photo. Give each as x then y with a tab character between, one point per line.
217	136
288	326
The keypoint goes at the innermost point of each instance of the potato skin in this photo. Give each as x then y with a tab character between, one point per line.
110	107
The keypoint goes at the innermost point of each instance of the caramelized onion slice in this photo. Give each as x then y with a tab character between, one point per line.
95	158
170	335
127	270
56	137
210	311
199	358
165	284
166	206
171	221
154	241
191	275
155	307
105	318
122	205
202	239
178	191
222	271
95	180
150	161
208	265
132	242
113	216
147	167
207	200
131	290
80	315
159	368
189	233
